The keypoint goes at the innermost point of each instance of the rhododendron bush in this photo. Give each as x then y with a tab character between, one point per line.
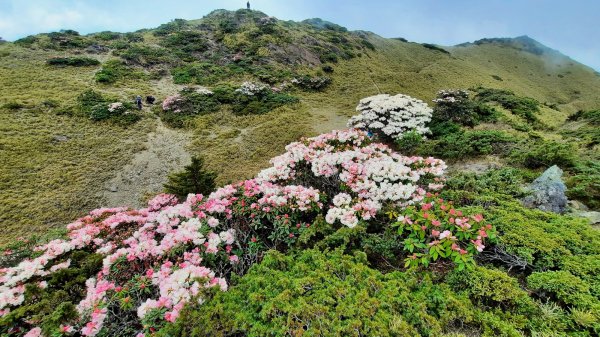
157	260
390	117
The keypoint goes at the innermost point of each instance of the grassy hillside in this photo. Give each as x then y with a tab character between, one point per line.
46	182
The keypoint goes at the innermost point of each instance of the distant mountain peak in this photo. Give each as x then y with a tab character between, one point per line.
522	43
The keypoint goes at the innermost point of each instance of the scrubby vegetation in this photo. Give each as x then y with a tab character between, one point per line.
72	62
249	98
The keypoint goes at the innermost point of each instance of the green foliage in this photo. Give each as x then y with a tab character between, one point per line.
542	154
193	179
492	288
114	70
307	82
435	230
328	294
146	55
171	27
66	39
27	41
200	73
95	106
72	61
88	99
107	36
507	181
186	44
584	183
454	106
13	106
566	287
469	144
409	143
260	104
524	107
592	116
589	132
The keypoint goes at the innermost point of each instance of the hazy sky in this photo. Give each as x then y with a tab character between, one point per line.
572	27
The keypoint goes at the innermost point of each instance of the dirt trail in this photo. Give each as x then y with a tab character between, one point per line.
147	171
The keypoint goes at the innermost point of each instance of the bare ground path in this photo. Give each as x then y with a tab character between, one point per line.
147	171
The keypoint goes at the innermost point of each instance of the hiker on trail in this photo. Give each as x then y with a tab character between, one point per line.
138	102
248	5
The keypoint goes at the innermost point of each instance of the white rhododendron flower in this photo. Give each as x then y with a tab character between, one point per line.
392	116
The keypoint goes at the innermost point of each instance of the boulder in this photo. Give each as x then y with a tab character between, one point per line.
547	192
593	217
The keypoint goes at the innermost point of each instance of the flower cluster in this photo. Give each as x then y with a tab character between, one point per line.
436	230
159	258
450	96
116	107
171	103
204	91
312	83
390	117
372	173
253	88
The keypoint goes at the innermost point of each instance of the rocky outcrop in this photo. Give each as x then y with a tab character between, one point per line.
547	192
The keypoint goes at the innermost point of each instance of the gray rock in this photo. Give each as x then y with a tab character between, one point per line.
577	206
547	192
114	188
60	138
593	217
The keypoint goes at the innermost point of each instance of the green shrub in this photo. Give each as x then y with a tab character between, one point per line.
507	181
469	144
27	41
454	106
134	37
584	183
171	27
107	36
186	41
193	179
72	61
562	286
200	73
67	39
119	115
88	99
13	106
493	288
114	70
524	107
409	143
324	294
543	154
146	55
318	83
543	240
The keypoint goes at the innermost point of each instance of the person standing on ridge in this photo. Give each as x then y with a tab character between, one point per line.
248	5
